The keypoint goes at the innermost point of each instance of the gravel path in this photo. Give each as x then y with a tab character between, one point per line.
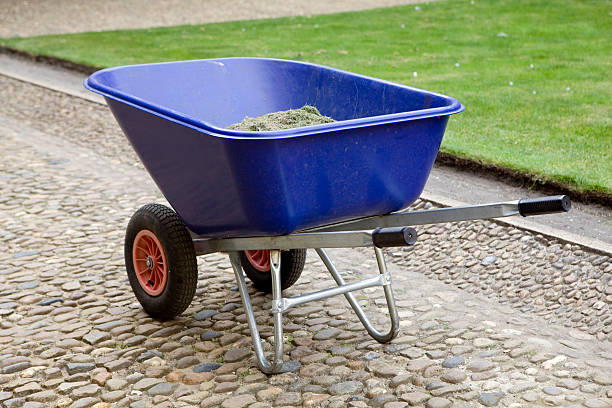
38	17
73	335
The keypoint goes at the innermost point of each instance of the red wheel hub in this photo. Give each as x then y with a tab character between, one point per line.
259	259
150	263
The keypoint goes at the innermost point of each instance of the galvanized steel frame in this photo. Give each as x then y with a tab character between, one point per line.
354	233
281	305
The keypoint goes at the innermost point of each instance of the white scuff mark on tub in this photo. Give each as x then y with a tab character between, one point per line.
218	63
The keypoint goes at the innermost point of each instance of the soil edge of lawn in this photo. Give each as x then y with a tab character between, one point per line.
501	173
53	61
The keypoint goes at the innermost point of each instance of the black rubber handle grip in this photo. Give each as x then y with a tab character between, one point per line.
544	205
394	237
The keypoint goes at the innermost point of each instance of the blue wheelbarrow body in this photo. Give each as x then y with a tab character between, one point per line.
374	160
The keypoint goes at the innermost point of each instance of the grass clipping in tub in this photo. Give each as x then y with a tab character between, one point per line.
289	119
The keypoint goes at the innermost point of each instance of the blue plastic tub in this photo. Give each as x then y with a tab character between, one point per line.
223	183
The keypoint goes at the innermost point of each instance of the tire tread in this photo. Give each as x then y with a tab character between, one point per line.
184	264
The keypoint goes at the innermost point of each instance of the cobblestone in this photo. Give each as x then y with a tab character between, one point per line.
70	181
490	399
437	402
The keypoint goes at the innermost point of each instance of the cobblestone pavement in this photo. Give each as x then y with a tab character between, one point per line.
488	330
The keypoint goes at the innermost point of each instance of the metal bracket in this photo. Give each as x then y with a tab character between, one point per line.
278	306
385	279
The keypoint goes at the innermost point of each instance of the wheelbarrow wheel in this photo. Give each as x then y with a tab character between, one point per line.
256	265
160	261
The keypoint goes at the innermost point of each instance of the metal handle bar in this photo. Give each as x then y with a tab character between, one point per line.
358	233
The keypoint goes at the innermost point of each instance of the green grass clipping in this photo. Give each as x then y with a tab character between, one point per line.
293	118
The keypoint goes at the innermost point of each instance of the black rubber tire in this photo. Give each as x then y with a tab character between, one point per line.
180	255
292	265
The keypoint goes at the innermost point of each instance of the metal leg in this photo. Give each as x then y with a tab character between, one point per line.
275	261
277	366
393	314
279	305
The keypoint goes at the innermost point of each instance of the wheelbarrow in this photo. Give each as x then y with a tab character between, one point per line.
264	197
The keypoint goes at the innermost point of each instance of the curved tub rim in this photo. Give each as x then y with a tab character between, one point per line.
452	108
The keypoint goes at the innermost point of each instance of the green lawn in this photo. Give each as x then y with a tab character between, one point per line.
535	76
